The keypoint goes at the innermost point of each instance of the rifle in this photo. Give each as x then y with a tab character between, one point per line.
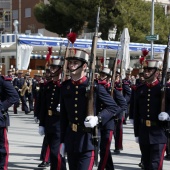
63	75
90	87
113	76
163	90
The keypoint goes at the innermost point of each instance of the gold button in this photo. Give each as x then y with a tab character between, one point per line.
148	94
76	98
149	89
53	89
77	87
148	115
55	85
50	107
147	104
52	93
76	92
75	105
148	110
148	99
76	118
51	102
75	111
101	104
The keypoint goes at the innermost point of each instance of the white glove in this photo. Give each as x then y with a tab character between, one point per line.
62	149
137	139
164	116
58	108
131	121
91	121
41	130
36	119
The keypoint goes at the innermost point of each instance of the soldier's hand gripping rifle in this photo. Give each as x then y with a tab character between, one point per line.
163	83
90	88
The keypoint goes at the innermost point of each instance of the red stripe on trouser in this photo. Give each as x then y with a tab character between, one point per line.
59	159
107	150
162	157
6	148
121	135
91	161
47	154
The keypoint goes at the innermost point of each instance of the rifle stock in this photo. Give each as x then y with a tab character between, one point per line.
90	88
163	95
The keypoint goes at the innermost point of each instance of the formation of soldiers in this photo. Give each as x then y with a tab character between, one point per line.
60	108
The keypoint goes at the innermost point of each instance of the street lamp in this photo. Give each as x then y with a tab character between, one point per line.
16	23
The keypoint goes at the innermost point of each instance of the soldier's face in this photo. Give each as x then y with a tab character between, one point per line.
55	71
150	74
75	66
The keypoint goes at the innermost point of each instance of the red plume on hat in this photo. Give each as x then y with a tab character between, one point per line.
145	52
48	56
72	37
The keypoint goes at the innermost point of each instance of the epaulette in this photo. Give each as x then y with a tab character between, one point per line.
7	78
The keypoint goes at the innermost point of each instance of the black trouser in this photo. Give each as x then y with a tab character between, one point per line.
153	156
45	151
81	160
57	162
106	161
4	149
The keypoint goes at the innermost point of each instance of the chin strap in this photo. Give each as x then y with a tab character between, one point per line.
55	73
77	67
151	75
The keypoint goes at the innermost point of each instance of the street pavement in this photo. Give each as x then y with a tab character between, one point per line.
25	145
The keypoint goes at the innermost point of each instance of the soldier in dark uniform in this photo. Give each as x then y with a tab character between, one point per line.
19	83
45	151
50	116
126	83
148	129
76	126
124	88
109	128
8	96
140	81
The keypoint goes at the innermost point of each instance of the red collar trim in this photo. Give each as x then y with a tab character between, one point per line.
80	81
152	84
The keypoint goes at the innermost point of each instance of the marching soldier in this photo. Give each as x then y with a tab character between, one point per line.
126	83
76	126
8	97
50	116
148	119
110	127
45	150
140	81
20	85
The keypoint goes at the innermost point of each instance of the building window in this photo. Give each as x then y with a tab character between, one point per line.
15	14
27	12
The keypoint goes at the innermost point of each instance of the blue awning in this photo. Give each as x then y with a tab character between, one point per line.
84	43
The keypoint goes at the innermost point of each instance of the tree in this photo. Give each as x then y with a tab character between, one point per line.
61	15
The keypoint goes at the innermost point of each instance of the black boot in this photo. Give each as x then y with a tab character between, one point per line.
44	164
